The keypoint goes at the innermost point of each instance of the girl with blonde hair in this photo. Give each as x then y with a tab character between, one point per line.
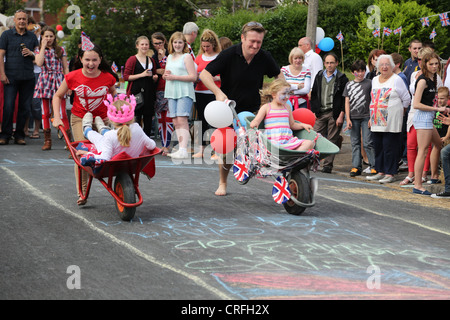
278	119
127	136
180	75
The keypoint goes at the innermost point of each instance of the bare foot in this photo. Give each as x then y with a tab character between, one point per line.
221	190
198	155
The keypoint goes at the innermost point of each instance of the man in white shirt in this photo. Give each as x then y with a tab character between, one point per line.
311	58
190	31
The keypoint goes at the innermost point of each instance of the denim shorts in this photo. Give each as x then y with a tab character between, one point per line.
423	119
181	107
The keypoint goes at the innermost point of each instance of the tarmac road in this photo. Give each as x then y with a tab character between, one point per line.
362	240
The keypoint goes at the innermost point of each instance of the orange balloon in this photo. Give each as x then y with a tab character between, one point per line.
223	140
304	116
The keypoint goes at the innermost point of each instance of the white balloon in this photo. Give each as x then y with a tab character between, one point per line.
320	34
218	114
60	34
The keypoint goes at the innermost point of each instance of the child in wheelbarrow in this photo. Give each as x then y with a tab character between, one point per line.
127	136
278	119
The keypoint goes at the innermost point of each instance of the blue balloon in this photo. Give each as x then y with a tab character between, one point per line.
242	115
326	44
289	103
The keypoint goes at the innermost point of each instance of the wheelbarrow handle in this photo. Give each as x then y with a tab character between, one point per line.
67	140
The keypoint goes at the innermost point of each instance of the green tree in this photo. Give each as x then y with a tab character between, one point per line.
284	25
114	25
393	15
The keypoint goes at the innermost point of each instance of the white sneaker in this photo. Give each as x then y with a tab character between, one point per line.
378	176
87	120
180	154
387	179
101	125
367	170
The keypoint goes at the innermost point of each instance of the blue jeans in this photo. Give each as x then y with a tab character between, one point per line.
361	126
445	158
25	88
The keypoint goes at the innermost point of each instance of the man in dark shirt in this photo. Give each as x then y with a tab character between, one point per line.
242	68
412	64
17	75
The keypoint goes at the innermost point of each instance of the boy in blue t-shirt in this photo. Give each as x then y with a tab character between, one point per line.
357	113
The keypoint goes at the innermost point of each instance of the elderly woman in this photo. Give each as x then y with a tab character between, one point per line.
390	98
299	77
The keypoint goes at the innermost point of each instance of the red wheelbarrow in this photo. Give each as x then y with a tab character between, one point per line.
126	172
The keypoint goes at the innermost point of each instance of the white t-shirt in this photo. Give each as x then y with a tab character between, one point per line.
447	79
315	63
109	145
389	99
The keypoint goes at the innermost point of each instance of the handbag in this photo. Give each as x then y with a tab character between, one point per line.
139	100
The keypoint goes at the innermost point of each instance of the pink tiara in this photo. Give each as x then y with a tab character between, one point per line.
127	112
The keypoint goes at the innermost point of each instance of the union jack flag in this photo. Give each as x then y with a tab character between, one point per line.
165	128
280	191
398	30
114	67
340	37
376	32
433	34
425	21
444	19
387	31
240	168
379	105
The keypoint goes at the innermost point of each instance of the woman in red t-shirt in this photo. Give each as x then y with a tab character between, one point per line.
91	84
209	49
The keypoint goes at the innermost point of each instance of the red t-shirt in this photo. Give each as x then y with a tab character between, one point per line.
202	63
89	92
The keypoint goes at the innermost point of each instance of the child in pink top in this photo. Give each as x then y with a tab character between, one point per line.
278	119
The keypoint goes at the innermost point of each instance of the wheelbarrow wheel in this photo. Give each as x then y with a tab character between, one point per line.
300	190
124	188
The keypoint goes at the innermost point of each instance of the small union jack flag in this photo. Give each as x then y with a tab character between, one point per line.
165	128
444	19
376	32
425	21
340	37
433	34
240	168
386	31
280	191
114	67
398	30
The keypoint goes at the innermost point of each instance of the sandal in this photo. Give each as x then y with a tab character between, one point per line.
164	151
406	181
81	201
35	135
